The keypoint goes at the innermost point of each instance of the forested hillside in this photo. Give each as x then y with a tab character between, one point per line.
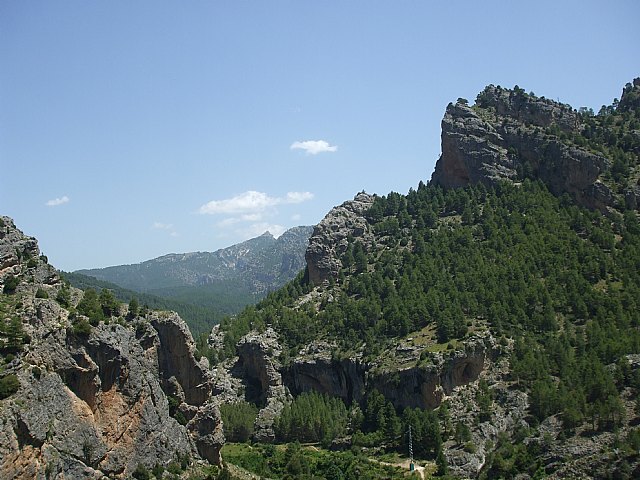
556	283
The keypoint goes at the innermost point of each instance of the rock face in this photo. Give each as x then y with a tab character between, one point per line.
330	237
96	404
509	134
426	385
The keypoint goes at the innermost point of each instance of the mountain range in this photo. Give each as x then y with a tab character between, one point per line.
493	312
216	283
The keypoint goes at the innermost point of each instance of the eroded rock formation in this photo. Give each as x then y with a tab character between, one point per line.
330	237
509	134
95	404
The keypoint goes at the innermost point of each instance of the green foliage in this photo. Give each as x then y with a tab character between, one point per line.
89	306
238	419
42	293
63	297
312	417
174	410
295	461
204	350
12	335
141	473
10	284
199	318
9	384
134	308
81	326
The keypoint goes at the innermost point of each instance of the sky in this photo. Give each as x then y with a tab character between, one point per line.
129	130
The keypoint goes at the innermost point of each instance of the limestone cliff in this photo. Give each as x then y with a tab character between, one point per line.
329	239
509	134
90	404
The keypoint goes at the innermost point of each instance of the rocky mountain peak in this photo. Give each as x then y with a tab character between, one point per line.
509	134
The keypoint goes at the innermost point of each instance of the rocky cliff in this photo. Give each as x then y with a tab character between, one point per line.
330	237
92	403
510	135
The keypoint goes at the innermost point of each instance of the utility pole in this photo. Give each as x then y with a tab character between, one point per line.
411	465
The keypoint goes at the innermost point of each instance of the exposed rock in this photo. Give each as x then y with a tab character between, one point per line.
259	367
177	359
505	136
314	369
427	383
91	405
330	237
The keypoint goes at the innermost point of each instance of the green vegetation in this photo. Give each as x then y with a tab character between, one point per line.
199	318
238	419
296	461
563	281
10	284
9	385
312	418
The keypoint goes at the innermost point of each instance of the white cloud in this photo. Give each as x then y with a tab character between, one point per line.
165	226
57	201
313	147
296	217
251	203
162	226
298	197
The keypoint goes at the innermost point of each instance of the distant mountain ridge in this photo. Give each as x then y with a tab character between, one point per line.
226	279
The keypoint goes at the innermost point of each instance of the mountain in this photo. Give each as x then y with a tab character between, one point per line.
220	282
493	313
262	263
90	389
494	310
199	318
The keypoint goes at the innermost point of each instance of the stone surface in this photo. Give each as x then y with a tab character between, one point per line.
506	135
330	237
95	405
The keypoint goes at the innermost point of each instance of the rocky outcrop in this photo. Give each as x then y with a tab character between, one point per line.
259	366
403	378
509	134
95	404
426	384
331	236
315	370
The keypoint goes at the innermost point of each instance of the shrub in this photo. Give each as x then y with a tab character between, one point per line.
42	293
8	386
10	284
81	326
141	473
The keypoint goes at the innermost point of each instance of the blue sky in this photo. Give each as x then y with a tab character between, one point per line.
129	130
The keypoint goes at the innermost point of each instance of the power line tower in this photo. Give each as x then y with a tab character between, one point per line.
411	464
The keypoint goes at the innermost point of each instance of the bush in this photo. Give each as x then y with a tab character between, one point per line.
42	293
10	284
81	326
8	386
141	473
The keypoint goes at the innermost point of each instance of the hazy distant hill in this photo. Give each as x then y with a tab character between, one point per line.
225	280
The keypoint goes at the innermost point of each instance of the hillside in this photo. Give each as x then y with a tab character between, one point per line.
223	281
198	318
503	294
493	312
